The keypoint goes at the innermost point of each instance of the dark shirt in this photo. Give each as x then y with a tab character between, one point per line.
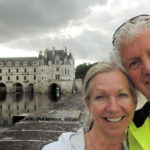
141	115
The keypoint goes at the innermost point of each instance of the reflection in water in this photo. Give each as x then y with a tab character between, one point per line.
16	104
17	97
3	95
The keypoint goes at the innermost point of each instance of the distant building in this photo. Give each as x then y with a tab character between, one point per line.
52	70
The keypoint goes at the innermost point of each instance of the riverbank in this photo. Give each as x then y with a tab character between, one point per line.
45	126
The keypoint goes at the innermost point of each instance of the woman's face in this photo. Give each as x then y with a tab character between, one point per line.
111	103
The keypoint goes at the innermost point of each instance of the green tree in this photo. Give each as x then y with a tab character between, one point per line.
82	69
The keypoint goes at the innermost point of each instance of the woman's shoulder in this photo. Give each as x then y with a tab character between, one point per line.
68	141
53	146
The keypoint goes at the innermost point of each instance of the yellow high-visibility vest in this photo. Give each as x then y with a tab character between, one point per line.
139	138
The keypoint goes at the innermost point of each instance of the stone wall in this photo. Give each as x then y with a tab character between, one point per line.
78	84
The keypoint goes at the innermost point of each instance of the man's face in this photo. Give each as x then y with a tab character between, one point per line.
136	59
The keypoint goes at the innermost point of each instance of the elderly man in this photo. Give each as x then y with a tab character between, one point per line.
132	45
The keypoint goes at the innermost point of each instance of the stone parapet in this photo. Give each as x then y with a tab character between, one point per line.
45	126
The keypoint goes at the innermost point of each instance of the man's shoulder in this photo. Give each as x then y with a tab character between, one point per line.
141	115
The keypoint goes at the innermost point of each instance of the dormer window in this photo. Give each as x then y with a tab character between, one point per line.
25	63
9	63
42	62
57	62
1	63
17	63
34	63
65	61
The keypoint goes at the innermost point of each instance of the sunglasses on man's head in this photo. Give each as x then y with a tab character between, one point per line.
133	20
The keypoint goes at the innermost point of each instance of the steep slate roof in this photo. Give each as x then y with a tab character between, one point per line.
21	60
61	53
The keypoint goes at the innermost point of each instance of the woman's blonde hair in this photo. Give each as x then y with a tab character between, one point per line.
104	66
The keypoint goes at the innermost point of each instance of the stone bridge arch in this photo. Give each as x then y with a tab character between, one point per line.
31	88
17	88
3	87
54	91
3	91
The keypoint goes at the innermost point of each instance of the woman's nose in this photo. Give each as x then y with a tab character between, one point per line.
113	105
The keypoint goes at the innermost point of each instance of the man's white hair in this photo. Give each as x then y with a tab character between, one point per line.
130	29
126	33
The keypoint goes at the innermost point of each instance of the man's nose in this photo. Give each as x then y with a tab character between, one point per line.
146	65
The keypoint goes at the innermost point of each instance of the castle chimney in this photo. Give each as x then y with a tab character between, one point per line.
53	51
65	49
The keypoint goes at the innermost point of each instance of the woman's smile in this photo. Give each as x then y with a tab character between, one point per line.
114	119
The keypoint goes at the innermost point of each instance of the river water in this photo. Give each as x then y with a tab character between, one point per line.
12	105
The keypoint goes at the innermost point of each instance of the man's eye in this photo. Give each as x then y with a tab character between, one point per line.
148	53
133	64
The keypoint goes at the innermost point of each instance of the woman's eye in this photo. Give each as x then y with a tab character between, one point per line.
100	97
123	95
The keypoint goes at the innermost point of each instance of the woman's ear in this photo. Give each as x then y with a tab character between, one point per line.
87	103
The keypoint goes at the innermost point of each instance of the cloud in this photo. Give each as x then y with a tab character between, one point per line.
21	18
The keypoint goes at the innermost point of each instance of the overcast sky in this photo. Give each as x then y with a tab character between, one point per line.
85	27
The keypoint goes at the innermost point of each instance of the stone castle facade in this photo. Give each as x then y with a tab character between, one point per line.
51	70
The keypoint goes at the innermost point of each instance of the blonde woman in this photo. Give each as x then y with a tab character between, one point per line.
111	100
